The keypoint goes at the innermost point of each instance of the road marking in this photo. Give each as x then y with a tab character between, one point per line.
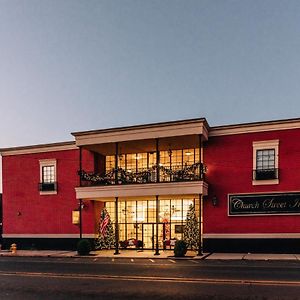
173	261
132	260
112	259
95	259
193	261
149	278
151	260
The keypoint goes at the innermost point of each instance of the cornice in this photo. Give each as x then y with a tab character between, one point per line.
38	148
143	126
276	125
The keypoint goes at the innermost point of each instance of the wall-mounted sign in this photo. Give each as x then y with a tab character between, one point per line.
75	217
261	204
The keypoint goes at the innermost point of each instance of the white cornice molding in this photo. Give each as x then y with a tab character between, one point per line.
254	127
38	149
142	190
135	133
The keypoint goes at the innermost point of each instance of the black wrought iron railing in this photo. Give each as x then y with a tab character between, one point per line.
265	174
47	186
148	175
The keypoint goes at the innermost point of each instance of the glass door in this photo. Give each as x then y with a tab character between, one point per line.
148	235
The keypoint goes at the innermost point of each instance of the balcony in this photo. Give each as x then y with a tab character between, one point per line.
47	186
265	174
155	174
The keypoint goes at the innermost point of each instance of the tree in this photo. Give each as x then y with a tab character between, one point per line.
191	229
106	235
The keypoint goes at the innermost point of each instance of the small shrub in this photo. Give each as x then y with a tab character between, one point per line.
84	247
180	248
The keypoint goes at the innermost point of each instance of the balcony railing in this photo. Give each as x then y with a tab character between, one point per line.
47	186
265	174
147	175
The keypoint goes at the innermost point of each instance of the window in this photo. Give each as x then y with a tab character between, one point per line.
265	162
48	184
48	174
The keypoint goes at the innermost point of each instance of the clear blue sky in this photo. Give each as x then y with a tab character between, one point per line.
79	65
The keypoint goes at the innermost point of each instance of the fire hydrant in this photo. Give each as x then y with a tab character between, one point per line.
13	248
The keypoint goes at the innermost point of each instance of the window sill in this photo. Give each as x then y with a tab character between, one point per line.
265	182
48	192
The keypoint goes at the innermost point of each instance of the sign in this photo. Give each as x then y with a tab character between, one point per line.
75	217
262	204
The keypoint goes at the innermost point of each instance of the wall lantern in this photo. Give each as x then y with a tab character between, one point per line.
82	205
214	200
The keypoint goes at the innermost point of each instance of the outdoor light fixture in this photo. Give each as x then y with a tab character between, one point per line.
83	205
214	200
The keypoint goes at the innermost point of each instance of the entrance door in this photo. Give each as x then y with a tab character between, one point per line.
148	235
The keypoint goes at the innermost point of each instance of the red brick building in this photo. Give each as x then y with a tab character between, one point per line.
243	181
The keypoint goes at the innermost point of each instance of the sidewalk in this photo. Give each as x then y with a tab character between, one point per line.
136	254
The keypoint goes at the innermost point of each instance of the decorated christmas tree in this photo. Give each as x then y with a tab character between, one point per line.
106	236
191	229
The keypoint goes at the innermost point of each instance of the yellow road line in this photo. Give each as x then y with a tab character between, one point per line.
150	278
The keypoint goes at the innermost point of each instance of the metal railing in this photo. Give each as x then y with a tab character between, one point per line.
265	174
147	175
47	186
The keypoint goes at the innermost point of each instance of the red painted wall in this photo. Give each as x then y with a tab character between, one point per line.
229	163
43	214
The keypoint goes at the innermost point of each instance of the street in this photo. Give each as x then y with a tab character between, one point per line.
120	278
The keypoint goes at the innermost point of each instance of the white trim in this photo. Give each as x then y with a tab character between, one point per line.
38	149
141	190
251	235
254	127
142	133
261	145
48	193
265	182
37	235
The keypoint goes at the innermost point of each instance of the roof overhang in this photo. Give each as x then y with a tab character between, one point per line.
143	132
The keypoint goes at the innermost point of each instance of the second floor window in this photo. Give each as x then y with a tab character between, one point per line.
48	174
265	159
48	184
265	162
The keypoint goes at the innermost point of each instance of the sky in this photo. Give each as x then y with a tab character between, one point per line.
70	65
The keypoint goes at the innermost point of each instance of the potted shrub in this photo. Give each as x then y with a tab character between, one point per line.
139	244
84	247
180	248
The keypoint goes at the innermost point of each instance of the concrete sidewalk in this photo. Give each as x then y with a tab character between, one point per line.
135	254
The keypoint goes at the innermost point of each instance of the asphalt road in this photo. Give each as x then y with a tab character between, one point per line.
99	278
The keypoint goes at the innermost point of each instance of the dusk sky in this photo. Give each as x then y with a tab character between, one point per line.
80	65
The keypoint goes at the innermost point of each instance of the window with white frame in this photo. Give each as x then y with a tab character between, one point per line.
48	184
265	162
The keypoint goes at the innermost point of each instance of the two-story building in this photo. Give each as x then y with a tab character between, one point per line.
243	181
